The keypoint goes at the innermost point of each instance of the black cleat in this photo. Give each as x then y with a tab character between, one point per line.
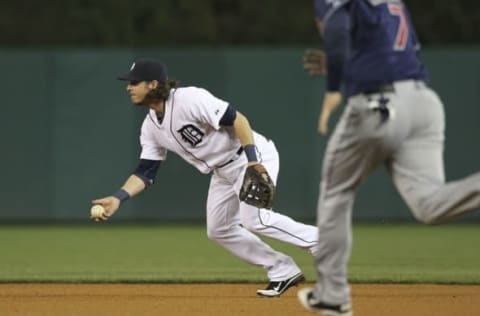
305	296
276	288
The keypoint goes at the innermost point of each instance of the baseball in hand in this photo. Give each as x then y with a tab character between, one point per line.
97	211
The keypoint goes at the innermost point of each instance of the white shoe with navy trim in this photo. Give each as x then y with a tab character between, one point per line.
276	288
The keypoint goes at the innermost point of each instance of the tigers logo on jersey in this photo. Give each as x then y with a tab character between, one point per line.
191	134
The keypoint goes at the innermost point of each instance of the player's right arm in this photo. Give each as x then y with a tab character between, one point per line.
138	181
336	35
314	60
141	178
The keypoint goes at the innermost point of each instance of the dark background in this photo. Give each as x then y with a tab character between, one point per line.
140	23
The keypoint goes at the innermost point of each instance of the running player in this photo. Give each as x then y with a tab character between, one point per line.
211	135
392	118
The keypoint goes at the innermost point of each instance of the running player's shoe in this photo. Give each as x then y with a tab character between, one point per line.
276	288
305	296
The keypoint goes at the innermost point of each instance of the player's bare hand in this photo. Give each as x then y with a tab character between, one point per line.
110	204
314	62
331	101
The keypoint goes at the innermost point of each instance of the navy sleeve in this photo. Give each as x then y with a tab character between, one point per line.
228	117
320	8
147	170
336	36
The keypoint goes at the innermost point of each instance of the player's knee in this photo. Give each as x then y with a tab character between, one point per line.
217	234
426	215
212	233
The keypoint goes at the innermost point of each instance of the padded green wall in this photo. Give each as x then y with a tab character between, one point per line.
69	133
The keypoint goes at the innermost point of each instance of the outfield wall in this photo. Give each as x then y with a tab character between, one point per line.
69	133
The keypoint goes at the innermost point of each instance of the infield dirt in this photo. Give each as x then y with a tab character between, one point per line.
226	299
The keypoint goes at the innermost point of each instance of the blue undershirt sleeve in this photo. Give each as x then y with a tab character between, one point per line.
147	170
229	116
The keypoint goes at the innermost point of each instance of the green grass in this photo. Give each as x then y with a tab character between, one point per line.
116	253
416	253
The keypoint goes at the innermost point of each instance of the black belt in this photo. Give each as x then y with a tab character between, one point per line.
238	153
390	88
384	88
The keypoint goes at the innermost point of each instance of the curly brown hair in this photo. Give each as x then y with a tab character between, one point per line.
162	91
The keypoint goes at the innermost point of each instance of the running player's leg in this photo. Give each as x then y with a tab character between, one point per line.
354	150
224	227
418	167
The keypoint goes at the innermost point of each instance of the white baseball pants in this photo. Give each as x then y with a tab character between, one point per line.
232	223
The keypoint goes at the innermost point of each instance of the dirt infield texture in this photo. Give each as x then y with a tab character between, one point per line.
226	299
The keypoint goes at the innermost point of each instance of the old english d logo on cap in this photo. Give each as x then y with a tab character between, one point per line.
145	69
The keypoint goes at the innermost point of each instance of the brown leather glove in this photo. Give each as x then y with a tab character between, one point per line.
257	188
314	62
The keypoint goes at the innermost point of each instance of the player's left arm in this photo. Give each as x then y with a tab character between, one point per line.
243	131
257	187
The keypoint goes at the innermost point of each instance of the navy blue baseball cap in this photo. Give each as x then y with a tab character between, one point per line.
146	69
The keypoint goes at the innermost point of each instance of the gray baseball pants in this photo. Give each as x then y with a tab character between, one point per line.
409	142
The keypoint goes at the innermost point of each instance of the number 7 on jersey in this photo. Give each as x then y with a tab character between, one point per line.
402	31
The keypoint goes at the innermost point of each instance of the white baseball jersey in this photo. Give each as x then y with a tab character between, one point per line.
190	128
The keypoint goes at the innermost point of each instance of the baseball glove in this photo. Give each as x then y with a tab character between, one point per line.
257	188
314	62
